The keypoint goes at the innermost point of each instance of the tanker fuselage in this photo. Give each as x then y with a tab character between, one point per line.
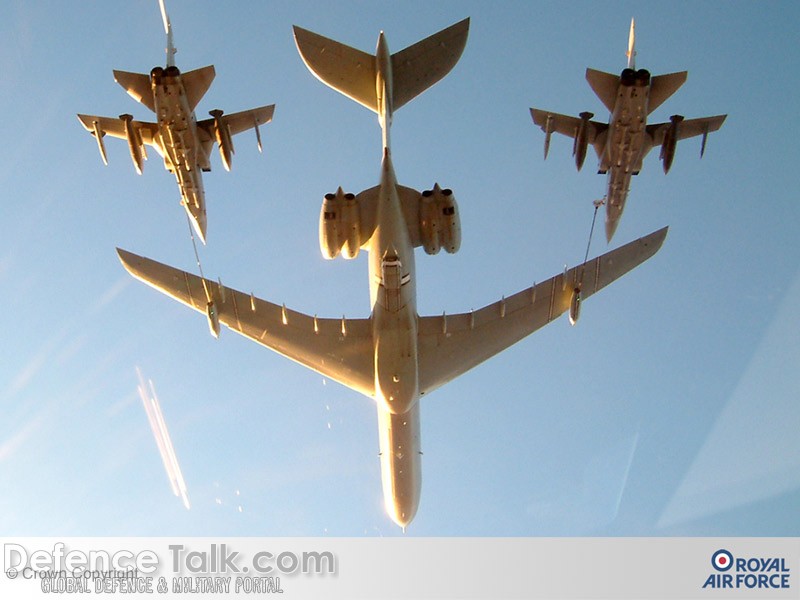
394	321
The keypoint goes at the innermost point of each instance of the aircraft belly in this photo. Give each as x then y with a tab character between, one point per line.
396	361
401	465
628	129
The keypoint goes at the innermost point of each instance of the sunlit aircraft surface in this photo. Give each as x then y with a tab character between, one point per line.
179	138
622	144
394	356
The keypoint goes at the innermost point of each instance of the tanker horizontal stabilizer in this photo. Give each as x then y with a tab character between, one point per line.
353	72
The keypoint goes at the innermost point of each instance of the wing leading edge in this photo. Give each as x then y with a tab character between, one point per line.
450	345
337	348
342	349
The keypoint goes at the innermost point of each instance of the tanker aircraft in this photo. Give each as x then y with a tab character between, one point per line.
627	138
394	356
178	137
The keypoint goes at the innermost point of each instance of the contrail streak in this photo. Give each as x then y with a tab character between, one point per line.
159	427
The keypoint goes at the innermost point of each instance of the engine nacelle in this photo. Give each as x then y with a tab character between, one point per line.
439	223
223	135
581	142
642	77
670	142
339	226
134	142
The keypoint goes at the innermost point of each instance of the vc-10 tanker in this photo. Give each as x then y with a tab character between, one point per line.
622	144
394	356
180	139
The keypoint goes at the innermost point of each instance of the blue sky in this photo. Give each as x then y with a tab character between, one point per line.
670	409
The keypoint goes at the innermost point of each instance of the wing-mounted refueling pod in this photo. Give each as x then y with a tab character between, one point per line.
135	145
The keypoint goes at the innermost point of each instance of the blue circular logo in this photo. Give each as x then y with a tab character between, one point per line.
722	560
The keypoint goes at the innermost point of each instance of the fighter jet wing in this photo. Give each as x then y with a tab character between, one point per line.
566	125
337	348
450	345
569	126
686	129
116	128
238	122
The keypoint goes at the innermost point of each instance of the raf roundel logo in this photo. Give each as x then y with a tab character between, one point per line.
722	560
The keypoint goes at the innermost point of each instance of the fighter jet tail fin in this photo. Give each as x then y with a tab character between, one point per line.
663	86
138	87
605	85
196	84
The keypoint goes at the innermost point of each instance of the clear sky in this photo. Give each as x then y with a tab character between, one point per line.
672	408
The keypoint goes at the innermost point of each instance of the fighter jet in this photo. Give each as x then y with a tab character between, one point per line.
394	356
178	137
627	138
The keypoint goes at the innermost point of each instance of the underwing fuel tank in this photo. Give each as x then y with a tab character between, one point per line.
223	135
134	142
670	142
581	140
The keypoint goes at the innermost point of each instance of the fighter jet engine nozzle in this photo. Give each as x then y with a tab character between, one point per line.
157	73
439	222
670	142
172	71
642	77
224	140
135	144
581	140
340	225
628	77
575	306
